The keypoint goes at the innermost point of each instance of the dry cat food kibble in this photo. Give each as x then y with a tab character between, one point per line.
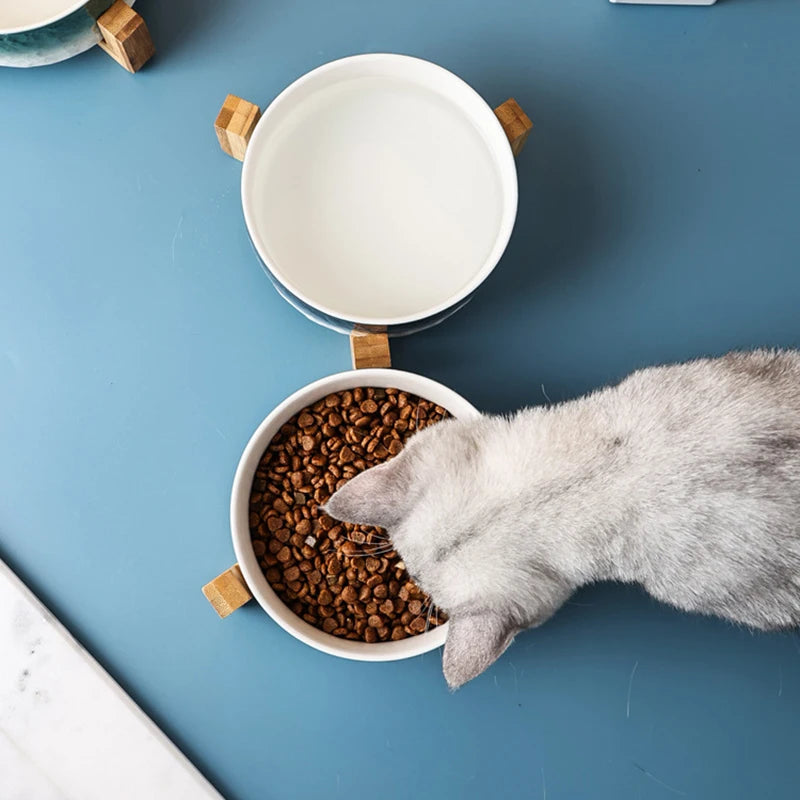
344	579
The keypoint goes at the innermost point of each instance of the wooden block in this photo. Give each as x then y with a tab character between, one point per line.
516	124
125	36
227	591
370	350
235	124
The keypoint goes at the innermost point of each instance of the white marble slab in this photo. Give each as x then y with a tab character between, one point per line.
67	730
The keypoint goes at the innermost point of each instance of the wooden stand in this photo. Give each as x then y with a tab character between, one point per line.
125	36
516	124
227	591
235	124
370	350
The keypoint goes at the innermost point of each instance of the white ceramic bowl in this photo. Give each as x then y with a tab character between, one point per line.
243	481
379	191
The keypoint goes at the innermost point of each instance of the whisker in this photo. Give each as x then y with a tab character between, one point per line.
378	551
366	543
428	618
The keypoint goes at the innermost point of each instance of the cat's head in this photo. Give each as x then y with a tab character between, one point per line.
450	513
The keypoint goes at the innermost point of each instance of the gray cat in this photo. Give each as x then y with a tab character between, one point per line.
685	479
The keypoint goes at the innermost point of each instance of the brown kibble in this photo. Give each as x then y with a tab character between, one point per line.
349	549
415	607
317	566
346	455
284	554
305	420
350	594
417	624
333	565
387	607
328	624
282	535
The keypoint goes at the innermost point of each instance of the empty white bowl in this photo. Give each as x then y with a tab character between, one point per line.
379	192
240	496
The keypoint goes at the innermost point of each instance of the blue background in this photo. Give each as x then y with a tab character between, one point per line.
141	344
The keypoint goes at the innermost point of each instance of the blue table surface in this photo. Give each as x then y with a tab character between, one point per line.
141	344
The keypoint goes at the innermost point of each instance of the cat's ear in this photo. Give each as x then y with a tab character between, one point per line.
474	642
377	496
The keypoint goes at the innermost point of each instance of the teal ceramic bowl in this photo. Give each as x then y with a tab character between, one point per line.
34	33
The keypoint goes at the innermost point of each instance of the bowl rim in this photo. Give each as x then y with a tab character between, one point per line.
498	146
70	8
255	579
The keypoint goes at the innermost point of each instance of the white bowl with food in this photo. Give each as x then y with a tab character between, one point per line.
251	571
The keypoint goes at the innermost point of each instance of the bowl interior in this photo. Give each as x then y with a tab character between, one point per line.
379	189
243	480
17	16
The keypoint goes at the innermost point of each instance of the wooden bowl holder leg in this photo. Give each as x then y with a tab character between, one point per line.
234	126
125	36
